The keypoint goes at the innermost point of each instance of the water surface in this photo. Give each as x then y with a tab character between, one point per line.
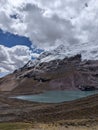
57	96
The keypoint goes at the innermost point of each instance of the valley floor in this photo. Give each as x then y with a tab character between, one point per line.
80	114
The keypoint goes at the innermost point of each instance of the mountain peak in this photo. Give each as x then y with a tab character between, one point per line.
61	47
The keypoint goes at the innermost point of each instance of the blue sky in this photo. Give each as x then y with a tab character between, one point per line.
9	40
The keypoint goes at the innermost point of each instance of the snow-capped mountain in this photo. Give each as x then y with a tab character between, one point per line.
57	53
57	73
62	51
88	51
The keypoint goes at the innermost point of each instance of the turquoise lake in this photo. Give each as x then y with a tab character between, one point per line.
57	96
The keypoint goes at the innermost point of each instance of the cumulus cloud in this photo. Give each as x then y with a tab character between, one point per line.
49	23
31	21
15	57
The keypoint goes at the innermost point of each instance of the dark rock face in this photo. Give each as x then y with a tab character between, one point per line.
87	88
75	58
67	74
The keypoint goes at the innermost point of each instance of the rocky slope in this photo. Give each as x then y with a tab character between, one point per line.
70	73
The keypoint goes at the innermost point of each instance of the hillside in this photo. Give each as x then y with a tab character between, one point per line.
61	74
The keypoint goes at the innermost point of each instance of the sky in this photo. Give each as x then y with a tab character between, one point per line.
9	39
29	26
15	51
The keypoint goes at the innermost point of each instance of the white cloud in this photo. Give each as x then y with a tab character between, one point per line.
87	22
31	22
44	27
49	23
15	57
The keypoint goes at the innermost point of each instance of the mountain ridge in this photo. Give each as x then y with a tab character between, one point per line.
69	73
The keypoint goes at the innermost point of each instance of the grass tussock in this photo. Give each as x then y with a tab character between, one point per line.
15	126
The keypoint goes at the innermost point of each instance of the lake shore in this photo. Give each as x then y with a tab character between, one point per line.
78	114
